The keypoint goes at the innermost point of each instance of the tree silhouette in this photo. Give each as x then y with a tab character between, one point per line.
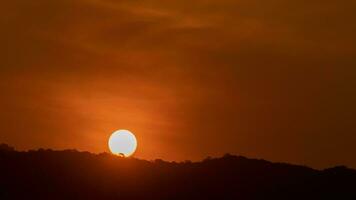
69	174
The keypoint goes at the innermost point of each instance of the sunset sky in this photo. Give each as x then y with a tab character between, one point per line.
264	79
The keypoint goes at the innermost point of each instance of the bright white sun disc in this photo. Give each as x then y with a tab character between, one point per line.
122	142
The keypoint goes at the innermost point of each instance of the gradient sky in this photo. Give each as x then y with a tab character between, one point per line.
266	79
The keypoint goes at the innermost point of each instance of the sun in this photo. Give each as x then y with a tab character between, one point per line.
122	143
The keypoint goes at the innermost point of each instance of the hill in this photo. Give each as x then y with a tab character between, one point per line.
69	174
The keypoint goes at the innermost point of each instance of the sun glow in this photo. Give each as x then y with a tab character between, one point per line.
122	143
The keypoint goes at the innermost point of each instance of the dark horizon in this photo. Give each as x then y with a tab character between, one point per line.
70	174
6	147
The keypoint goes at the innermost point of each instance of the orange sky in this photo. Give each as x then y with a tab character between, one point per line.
267	79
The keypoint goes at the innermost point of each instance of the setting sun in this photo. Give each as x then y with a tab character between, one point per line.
122	142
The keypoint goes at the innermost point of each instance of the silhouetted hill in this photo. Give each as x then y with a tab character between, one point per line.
5	147
47	174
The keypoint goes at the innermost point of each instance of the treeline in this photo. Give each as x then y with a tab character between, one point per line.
69	174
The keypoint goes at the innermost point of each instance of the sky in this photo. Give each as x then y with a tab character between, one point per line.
265	79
